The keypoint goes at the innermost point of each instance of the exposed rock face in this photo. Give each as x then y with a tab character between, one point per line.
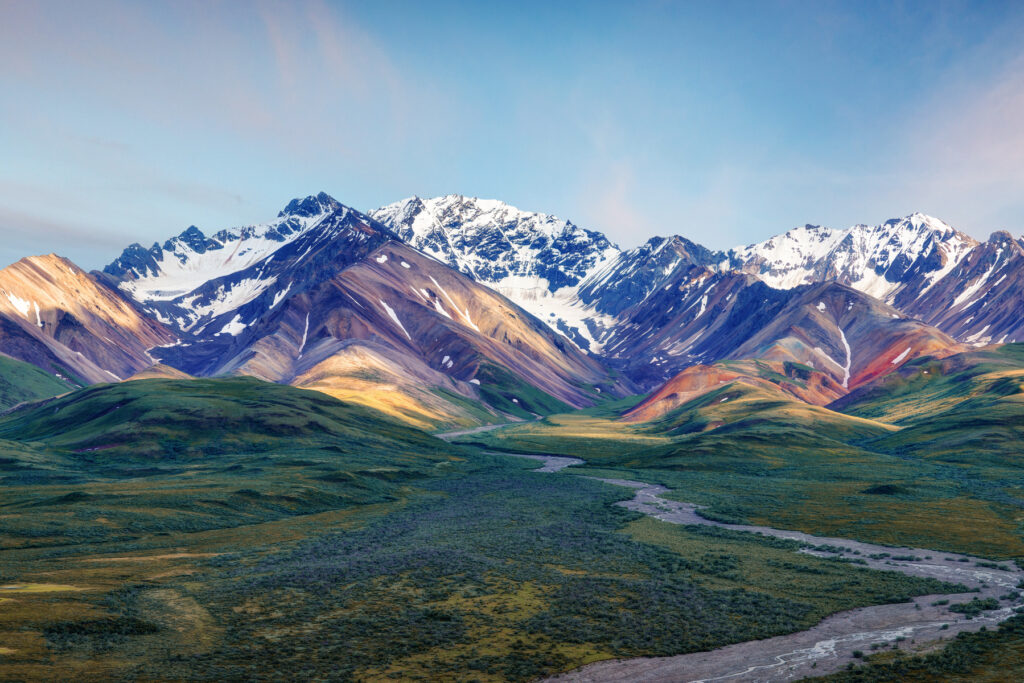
579	283
703	316
309	297
536	260
431	295
573	279
497	244
981	299
918	264
632	275
56	316
901	254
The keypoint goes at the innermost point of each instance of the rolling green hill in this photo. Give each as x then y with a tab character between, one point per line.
158	455
759	456
966	409
20	382
162	419
927	387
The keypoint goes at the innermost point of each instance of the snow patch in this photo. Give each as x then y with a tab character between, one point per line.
849	360
279	297
394	316
305	333
899	359
235	327
21	304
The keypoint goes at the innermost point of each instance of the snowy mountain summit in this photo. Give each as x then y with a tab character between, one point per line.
193	279
574	280
537	260
876	260
497	244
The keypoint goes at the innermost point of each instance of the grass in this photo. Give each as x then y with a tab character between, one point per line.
577	434
946	482
323	541
176	420
508	393
502	574
230	529
20	382
162	456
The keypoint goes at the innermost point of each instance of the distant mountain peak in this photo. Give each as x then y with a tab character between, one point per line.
498	243
312	205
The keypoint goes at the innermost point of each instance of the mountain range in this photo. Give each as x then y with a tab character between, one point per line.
456	311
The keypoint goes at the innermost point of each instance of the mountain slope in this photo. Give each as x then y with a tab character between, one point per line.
634	274
342	305
57	317
535	259
980	299
967	408
908	253
918	264
442	325
205	286
703	316
572	279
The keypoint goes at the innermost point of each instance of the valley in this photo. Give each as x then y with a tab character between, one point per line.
697	355
453	440
829	646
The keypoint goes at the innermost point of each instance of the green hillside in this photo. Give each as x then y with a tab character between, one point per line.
927	387
757	456
162	419
968	408
20	382
228	529
162	455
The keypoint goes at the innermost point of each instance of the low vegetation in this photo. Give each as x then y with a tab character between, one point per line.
21	382
989	656
231	528
756	457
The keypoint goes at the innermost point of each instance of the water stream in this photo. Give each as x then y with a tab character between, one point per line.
828	646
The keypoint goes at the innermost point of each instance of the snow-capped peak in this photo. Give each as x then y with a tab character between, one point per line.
190	259
416	219
533	258
874	259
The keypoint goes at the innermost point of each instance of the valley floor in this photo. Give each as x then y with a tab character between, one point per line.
829	646
473	566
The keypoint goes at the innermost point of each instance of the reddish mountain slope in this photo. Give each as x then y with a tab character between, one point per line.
55	315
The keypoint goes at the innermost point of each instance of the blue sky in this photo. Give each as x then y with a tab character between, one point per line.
725	122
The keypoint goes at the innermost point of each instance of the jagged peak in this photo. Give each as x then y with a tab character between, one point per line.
311	205
191	231
919	222
458	212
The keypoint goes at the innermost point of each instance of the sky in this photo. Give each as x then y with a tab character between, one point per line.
726	122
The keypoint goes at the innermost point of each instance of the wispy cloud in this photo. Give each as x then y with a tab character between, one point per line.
963	151
29	228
